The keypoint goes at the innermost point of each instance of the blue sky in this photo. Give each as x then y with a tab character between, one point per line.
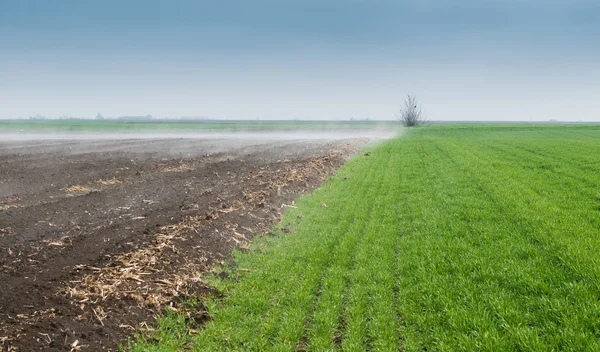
328	59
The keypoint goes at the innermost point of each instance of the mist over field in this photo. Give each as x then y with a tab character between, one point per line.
331	133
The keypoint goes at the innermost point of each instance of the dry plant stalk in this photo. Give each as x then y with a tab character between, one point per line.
77	189
60	242
107	182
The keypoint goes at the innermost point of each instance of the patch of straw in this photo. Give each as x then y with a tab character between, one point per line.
137	275
110	181
77	189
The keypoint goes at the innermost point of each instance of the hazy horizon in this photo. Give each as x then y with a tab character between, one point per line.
309	60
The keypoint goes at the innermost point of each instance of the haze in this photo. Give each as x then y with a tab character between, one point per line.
327	59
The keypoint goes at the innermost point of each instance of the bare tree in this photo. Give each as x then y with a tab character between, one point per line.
411	113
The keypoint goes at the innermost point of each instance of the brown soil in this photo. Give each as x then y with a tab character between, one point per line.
96	237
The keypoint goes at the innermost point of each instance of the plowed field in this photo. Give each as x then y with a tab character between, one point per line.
98	235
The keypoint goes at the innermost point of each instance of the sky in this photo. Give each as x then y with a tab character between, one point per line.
479	60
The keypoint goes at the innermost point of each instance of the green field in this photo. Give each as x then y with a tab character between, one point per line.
450	238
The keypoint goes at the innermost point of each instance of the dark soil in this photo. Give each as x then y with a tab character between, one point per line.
96	237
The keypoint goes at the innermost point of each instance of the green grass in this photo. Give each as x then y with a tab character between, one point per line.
451	238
